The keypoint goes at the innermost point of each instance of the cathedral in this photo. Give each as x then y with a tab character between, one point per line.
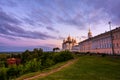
71	44
68	43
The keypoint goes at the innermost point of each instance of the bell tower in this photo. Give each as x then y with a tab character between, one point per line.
89	33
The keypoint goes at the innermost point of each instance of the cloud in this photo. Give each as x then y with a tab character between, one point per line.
78	23
109	7
79	13
5	18
60	38
1	43
8	29
42	16
29	21
57	11
8	37
82	13
9	25
9	3
52	29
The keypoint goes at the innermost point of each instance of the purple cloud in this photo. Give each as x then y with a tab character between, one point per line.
109	7
5	18
29	21
77	20
9	3
61	38
42	16
8	37
52	29
9	25
7	29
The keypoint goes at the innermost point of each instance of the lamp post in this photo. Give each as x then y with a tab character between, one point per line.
111	35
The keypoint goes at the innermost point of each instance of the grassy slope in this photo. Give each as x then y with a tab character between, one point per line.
45	70
89	68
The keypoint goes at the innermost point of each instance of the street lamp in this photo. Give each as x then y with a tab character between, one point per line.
111	35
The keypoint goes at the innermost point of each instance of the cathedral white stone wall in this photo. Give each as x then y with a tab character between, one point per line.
68	43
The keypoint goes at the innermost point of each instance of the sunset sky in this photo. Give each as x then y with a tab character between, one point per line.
28	24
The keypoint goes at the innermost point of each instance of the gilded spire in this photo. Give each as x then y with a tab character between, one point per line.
89	33
89	30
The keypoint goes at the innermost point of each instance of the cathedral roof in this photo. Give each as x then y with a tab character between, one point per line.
69	38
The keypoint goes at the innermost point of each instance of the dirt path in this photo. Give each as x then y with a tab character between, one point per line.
52	71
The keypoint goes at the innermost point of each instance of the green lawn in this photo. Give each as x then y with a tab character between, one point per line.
89	68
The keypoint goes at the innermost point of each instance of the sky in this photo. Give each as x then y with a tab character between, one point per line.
29	24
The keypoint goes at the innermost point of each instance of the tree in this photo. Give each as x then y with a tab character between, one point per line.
26	56
56	49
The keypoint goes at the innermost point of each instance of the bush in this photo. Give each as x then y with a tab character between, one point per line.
62	56
32	66
3	73
47	60
13	71
21	69
103	55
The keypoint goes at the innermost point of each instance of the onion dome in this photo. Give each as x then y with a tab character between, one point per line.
69	38
74	41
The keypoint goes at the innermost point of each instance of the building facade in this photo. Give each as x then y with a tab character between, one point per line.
68	43
102	43
13	61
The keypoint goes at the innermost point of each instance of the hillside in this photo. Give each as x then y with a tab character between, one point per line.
89	67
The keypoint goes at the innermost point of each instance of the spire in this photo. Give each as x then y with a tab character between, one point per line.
89	30
69	38
89	33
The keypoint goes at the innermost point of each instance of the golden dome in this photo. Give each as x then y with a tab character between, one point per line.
74	41
69	38
90	33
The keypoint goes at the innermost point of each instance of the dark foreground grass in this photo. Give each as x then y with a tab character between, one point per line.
89	68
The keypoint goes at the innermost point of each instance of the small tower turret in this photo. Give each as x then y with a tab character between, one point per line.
89	33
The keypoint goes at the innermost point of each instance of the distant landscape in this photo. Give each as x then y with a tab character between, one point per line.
11	52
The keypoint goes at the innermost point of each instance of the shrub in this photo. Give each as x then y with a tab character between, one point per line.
13	71
3	73
63	56
21	69
32	66
47	60
103	55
